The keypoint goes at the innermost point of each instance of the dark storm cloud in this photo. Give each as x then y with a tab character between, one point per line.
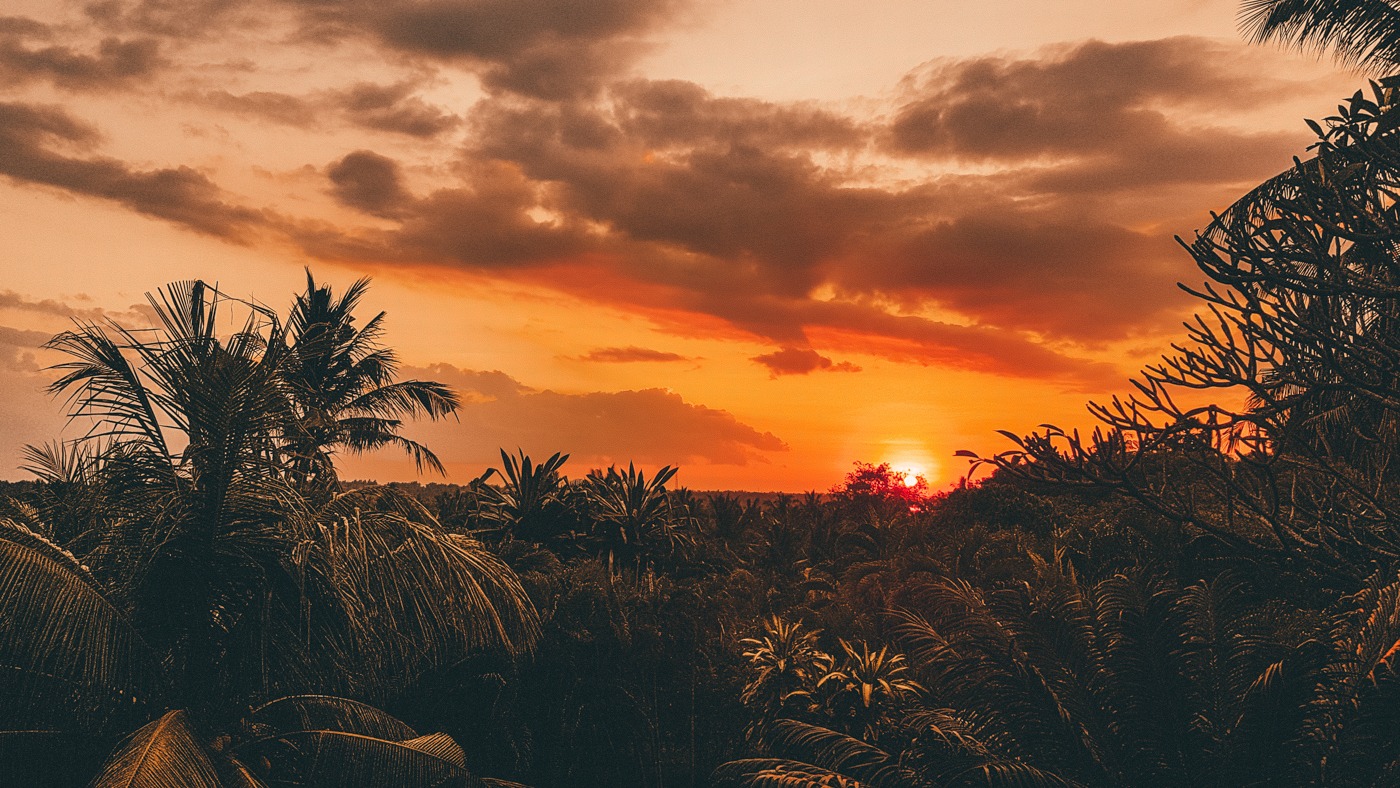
369	182
617	355
552	49
1095	117
26	54
800	361
770	212
1088	279
1180	156
651	426
485	223
31	138
183	19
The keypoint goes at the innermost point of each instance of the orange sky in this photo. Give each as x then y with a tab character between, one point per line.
760	240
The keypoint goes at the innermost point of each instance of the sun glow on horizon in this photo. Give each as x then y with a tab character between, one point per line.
911	460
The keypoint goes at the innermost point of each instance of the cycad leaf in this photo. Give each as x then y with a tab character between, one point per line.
840	753
238	775
778	773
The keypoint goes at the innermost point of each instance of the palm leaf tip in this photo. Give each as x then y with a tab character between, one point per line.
166	753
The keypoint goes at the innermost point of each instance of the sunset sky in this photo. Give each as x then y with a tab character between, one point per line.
758	239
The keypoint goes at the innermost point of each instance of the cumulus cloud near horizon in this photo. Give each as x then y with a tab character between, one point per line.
651	426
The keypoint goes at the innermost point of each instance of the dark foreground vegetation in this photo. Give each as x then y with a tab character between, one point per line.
1192	595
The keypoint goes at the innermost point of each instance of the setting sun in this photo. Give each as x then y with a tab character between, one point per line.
912	461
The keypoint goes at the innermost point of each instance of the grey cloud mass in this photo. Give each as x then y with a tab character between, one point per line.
369	182
392	108
622	355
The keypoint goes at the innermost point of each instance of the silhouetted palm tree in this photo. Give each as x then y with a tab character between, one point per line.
208	582
342	387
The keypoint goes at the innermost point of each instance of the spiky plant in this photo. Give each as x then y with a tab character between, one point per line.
632	515
530	500
868	689
785	666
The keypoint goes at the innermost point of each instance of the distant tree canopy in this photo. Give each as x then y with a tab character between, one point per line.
881	483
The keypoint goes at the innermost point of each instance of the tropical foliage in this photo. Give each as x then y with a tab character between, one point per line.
1194	595
204	569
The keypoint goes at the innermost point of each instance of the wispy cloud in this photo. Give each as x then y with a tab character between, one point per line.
622	355
801	361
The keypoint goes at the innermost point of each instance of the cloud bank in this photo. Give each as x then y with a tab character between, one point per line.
1005	214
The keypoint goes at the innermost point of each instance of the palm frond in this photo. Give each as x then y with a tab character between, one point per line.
407	398
103	385
67	654
386	597
1363	33
778	773
362	434
165	753
351	760
840	753
328	712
